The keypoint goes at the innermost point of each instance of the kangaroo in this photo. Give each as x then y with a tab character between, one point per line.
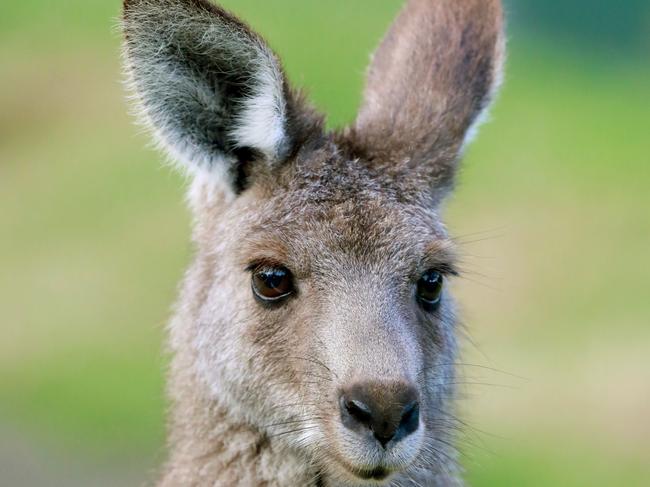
315	339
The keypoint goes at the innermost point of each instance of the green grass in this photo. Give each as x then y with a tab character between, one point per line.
104	401
95	239
545	466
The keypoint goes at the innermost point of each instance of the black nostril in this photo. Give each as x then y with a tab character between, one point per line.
408	424
410	421
358	411
390	412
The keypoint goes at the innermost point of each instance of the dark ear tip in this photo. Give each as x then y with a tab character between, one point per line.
129	4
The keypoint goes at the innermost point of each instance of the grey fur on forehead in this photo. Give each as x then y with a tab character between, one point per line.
322	229
299	213
333	173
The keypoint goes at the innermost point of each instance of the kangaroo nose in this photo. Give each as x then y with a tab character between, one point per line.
389	410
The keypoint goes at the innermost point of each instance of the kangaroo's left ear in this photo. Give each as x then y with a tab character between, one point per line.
430	81
212	91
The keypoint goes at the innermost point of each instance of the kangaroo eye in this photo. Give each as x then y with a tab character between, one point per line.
272	284
429	290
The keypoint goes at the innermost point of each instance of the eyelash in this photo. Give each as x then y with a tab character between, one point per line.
446	270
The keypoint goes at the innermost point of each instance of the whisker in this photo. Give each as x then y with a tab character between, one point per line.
295	421
295	404
480	283
482	367
296	430
313	361
296	383
479	383
468	238
311	374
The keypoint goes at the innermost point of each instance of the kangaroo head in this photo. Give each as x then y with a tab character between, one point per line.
318	307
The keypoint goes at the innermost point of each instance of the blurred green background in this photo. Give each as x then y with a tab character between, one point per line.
553	213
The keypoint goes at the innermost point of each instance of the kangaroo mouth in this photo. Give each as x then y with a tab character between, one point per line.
375	474
378	473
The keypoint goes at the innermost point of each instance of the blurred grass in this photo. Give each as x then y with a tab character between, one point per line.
95	239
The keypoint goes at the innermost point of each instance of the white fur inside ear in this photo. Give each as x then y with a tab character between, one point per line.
497	81
473	130
261	123
204	86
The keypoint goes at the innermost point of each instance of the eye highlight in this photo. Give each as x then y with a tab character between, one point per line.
272	284
429	290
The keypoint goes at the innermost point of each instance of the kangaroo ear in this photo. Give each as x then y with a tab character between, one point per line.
430	81
212	91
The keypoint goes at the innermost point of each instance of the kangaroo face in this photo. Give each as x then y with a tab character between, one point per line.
321	314
328	321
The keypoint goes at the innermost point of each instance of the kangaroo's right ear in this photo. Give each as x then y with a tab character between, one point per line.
211	90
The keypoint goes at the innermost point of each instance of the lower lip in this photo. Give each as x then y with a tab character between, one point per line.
376	474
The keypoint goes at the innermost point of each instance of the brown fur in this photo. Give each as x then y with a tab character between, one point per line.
439	66
355	217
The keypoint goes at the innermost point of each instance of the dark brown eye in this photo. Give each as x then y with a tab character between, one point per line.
429	290
272	284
